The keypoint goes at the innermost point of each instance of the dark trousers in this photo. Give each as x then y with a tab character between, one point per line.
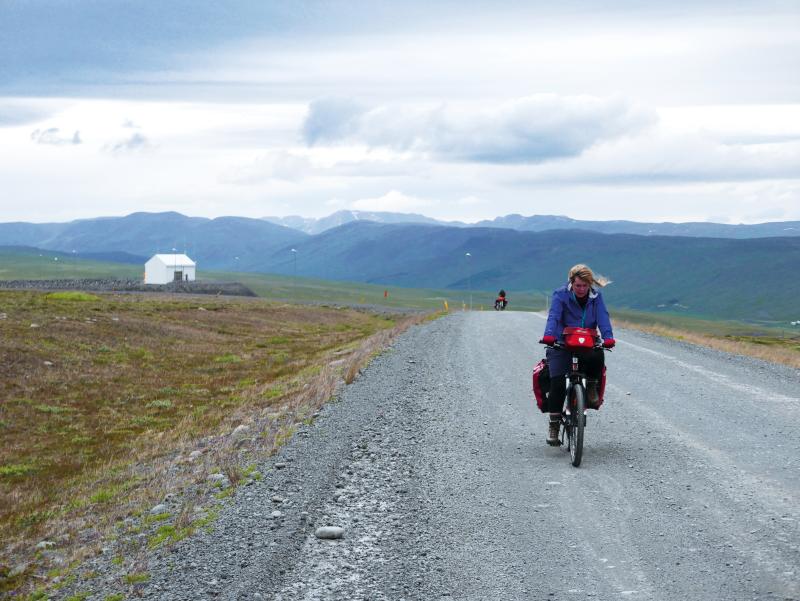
590	364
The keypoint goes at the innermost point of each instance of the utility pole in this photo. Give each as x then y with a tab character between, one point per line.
469	278
294	279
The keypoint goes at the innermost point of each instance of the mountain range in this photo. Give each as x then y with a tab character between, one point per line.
541	223
725	277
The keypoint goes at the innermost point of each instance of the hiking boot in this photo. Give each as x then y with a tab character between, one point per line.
552	433
592	396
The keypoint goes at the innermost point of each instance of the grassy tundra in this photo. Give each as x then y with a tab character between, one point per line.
104	397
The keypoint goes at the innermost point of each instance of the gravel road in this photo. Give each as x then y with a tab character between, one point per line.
435	464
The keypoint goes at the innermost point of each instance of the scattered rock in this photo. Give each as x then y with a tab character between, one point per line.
194	455
240	431
277	499
276	514
45	544
48	363
160	508
329	532
34	325
280	466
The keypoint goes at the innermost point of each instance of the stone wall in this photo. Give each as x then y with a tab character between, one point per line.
108	285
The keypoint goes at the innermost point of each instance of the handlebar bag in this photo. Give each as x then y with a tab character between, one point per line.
541	383
579	338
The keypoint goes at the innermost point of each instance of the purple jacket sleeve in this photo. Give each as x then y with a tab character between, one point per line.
554	326
603	320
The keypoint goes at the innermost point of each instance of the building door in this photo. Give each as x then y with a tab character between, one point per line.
178	276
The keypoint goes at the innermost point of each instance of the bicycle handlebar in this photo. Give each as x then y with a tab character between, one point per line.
560	345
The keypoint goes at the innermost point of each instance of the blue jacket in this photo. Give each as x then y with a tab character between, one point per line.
565	311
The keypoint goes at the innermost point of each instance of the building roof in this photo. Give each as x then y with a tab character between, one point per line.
174	260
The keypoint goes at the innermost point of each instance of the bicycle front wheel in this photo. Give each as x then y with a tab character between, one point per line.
578	420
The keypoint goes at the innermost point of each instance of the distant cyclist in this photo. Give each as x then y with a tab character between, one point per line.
501	301
576	304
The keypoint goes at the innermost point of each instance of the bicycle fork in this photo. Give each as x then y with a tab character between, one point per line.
574	380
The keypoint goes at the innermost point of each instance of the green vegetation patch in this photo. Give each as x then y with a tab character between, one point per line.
159	404
136	578
228	358
72	296
16	470
55	410
137	376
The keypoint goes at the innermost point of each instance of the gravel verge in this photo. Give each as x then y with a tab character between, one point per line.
433	465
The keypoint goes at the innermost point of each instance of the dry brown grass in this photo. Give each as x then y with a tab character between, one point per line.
785	351
104	401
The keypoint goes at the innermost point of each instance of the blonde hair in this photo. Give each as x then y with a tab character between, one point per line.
585	273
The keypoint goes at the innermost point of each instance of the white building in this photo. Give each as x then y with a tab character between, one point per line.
163	269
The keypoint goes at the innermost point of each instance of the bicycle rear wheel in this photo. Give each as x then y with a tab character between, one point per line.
577	403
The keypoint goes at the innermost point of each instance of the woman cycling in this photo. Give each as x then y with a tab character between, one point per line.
577	304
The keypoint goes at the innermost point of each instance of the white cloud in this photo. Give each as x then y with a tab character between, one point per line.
136	142
53	137
393	201
282	165
15	112
526	130
663	158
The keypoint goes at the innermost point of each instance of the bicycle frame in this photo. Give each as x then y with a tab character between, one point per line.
573	414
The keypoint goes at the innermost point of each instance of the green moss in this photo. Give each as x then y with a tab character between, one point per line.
159	517
52	409
228	358
273	392
66	582
15	470
104	495
159	404
224	494
164	533
115	597
140	354
77	597
72	296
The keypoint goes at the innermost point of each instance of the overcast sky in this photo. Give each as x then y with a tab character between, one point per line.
461	110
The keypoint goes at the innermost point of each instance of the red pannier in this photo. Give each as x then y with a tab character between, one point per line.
601	390
579	338
541	383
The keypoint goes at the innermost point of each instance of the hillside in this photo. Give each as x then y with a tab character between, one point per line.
712	277
541	223
222	243
313	226
724	278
